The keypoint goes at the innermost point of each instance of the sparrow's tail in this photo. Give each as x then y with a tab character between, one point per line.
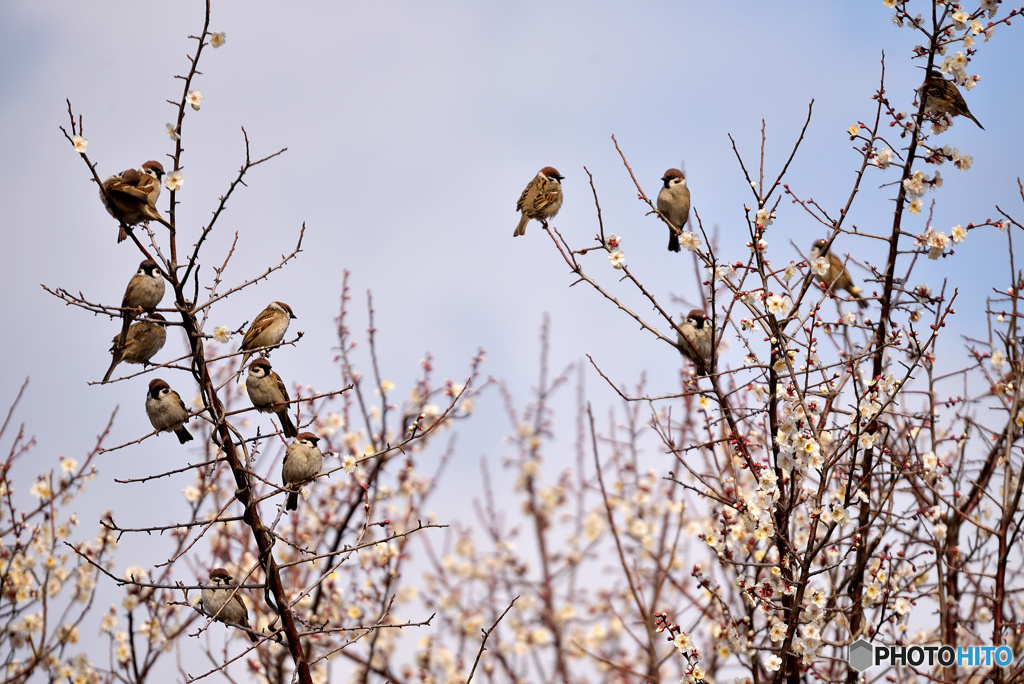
971	117
287	426
113	365
855	293
241	368
521	228
183	435
293	501
673	241
154	215
123	337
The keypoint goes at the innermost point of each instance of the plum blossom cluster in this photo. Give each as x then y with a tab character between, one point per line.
937	242
882	158
47	588
916	186
946	153
615	255
372	493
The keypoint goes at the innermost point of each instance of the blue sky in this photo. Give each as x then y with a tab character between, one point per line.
411	129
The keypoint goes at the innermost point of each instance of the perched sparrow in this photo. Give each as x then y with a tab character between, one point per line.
144	291
695	340
302	462
266	388
223	606
267	330
541	199
130	196
943	97
837	277
166	410
145	339
674	204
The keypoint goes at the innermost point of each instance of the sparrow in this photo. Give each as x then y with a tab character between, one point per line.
541	199
266	388
166	410
144	340
226	604
837	277
267	330
695	340
674	204
302	462
943	97
130	196
144	291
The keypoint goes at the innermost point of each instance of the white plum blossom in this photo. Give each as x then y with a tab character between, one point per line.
883	158
690	241
867	440
174	181
903	606
935	241
961	161
135	573
820	266
194	97
839	515
914	185
779	305
40	490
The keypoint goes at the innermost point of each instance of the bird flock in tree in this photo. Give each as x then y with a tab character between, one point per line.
130	197
542	198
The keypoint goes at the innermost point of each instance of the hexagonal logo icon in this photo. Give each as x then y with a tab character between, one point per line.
860	657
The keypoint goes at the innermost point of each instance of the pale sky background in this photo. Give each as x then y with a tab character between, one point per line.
411	130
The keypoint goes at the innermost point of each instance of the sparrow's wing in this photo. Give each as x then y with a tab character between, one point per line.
254	331
546	196
281	386
150	187
129	190
954	95
522	198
